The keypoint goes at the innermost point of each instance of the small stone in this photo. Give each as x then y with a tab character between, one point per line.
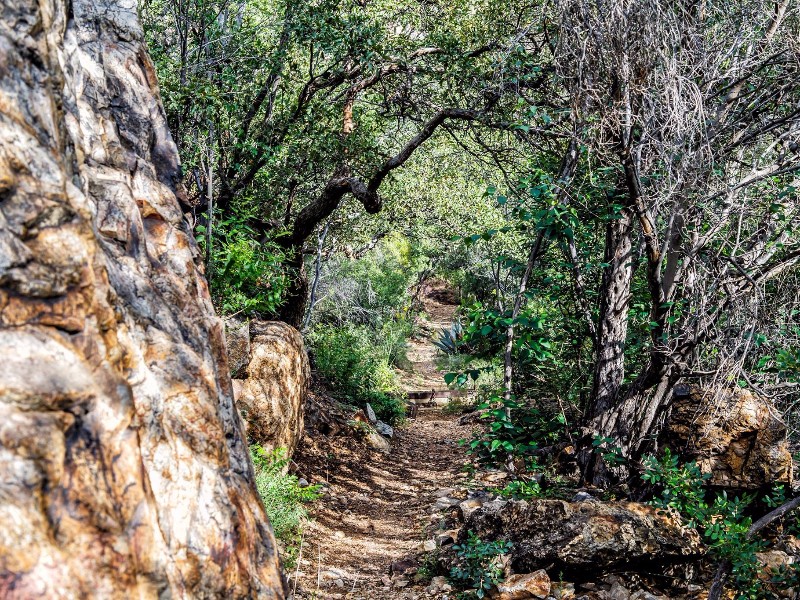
334	574
444	503
371	414
338	534
302	482
400	583
645	595
495	476
406	566
438	584
443	492
562	591
339	583
521	587
384	429
619	592
377	442
447	538
469	506
429	545
583	497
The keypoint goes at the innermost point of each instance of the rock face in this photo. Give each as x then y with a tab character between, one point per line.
734	436
272	397
584	538
237	341
123	468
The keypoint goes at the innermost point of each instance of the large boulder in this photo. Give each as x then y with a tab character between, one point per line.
582	539
272	397
733	435
123	467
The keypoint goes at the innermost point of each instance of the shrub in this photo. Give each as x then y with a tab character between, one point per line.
450	338
723	523
284	499
370	290
512	429
358	369
477	565
522	490
246	275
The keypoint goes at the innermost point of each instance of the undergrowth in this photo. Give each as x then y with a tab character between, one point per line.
284	498
477	564
358	365
723	522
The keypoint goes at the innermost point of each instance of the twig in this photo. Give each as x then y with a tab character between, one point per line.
319	566
297	570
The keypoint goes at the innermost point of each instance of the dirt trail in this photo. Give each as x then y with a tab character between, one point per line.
377	505
439	305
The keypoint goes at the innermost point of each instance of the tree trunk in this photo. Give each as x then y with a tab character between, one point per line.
125	473
615	294
293	308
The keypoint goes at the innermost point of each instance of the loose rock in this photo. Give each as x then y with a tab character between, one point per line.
384	429
523	587
378	442
272	397
733	435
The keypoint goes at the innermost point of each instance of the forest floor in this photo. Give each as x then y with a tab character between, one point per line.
375	511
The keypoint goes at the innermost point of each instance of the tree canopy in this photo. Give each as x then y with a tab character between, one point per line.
611	186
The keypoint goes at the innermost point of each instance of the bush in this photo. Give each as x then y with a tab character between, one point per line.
477	565
512	429
284	499
722	522
358	368
369	291
246	275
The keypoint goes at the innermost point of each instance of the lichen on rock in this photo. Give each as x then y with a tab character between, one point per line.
272	396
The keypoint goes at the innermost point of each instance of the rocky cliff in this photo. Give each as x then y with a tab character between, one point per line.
123	471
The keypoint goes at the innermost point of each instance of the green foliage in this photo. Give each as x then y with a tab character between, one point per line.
372	290
522	490
450	338
723	522
430	565
246	275
477	566
358	369
284	499
512	429
610	453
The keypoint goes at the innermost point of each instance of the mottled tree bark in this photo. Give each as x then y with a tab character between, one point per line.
123	470
615	294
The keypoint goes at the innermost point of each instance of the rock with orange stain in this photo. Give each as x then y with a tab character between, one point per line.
579	539
272	396
123	469
734	436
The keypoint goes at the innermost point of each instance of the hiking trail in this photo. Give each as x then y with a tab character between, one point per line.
377	506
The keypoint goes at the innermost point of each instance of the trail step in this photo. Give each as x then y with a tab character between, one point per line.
433	394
